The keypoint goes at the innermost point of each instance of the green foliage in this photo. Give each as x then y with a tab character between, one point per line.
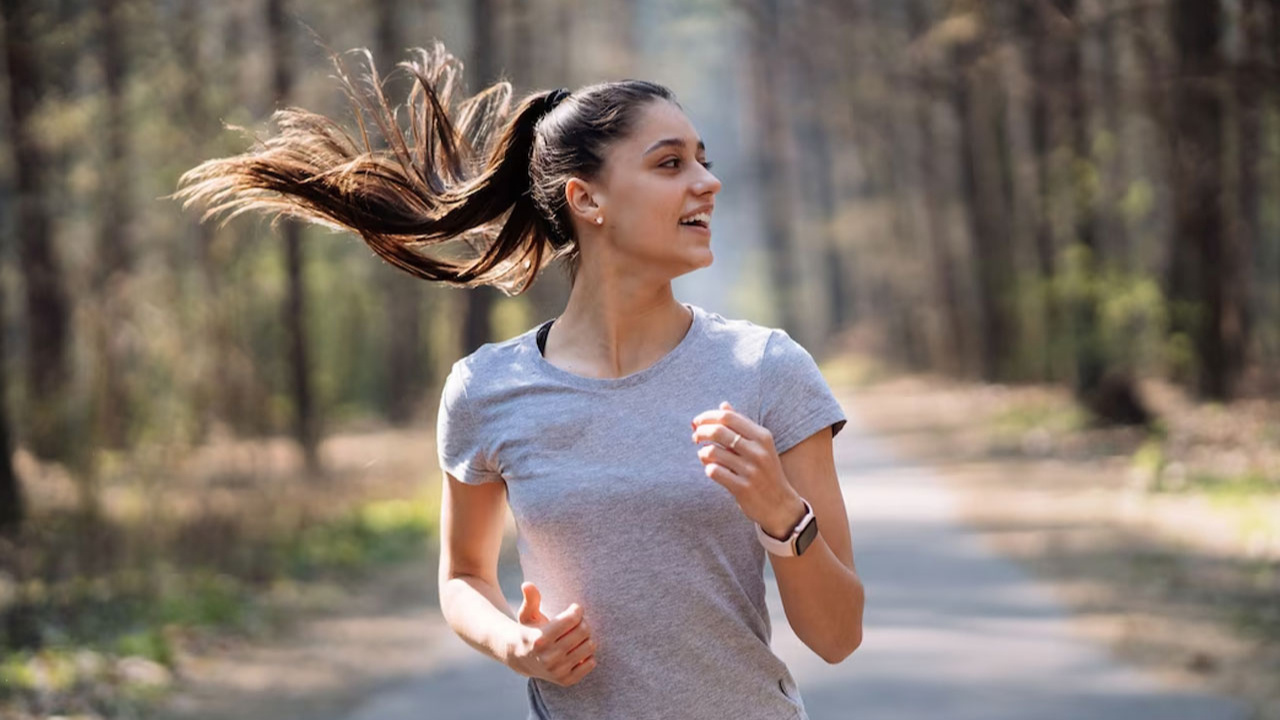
148	642
204	598
1232	489
1138	200
1150	459
381	532
1051	415
1131	312
127	613
56	682
1179	355
349	335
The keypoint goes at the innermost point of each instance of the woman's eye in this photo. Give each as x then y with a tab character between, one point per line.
706	163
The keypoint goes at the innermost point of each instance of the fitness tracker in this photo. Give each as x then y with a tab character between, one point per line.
802	535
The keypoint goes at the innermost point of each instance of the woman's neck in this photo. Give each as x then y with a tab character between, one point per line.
614	334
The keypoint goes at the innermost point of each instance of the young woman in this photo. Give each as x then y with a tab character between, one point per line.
642	544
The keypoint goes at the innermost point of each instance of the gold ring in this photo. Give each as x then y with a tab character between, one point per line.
736	438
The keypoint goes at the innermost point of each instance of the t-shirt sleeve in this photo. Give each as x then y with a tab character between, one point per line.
462	441
796	401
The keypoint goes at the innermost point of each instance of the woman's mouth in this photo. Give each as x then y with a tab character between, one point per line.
700	223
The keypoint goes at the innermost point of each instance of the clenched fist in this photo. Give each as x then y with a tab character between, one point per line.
558	649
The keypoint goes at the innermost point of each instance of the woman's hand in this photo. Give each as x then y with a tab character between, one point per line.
751	470
558	649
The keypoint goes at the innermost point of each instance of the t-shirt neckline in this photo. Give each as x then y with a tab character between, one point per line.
582	381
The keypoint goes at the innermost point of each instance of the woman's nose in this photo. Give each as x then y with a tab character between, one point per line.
709	183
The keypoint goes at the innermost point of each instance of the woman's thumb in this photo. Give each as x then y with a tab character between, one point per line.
530	608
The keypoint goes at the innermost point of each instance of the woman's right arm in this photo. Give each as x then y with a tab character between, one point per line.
471	520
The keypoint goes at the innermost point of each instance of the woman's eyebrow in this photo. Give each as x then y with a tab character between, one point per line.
666	142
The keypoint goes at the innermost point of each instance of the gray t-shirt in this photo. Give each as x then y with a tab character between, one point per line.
614	512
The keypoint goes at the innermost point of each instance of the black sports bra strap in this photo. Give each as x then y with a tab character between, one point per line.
542	336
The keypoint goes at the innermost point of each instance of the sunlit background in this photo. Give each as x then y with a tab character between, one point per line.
206	436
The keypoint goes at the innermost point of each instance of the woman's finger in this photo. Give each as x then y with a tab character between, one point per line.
732	422
723	456
723	436
580	671
568	642
584	650
727	478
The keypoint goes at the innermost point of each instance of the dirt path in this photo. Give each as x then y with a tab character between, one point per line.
321	666
1175	583
383	653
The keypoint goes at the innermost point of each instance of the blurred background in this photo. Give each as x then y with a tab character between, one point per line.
202	426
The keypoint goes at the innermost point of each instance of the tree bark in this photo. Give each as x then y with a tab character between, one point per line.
113	411
771	154
47	305
478	302
211	400
1114	105
946	285
295	309
984	189
811	102
1201	267
402	292
13	508
1087	346
1250	90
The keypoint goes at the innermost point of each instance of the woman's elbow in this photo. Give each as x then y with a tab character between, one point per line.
852	636
844	650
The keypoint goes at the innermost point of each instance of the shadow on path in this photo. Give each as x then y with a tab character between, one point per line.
952	631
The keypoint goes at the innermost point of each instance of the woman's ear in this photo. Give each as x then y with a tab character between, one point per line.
581	199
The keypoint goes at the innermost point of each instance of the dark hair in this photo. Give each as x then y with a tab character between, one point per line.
475	170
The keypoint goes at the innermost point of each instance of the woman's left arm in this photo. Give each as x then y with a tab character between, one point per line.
821	592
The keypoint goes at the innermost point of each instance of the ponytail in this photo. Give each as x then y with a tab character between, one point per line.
476	170
465	175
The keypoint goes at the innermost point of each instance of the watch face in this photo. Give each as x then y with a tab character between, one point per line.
806	536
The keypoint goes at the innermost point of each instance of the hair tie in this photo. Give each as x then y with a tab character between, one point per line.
554	99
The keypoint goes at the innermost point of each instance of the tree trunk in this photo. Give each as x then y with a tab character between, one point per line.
212	400
478	302
771	168
811	102
402	292
983	184
113	413
295	311
1200	266
946	285
13	509
1108	393
1250	89
1271	268
1086	333
1113	172
47	311
550	292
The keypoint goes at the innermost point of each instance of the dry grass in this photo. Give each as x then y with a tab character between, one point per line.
191	546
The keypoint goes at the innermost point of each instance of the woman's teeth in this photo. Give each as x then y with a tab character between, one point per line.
701	220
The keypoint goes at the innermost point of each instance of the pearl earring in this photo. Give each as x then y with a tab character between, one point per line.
599	221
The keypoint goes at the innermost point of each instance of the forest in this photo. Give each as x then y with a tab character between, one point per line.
1081	194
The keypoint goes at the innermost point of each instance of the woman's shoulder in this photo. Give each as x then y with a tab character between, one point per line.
744	338
491	366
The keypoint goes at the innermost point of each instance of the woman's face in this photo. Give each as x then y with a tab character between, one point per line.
651	181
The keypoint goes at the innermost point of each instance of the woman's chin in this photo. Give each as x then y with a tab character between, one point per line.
703	256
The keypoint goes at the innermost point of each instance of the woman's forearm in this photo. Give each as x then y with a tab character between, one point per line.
477	611
823	599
